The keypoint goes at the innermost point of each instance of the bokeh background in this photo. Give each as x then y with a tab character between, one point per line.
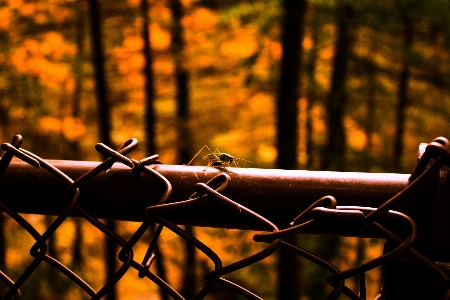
296	84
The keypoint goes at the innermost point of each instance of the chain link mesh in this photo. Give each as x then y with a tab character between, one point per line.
324	211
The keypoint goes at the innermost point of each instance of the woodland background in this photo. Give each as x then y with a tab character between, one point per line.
338	85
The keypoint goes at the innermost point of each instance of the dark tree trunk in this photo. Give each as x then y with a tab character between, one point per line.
181	81
98	61
110	259
334	156
78	65
326	247
311	90
188	289
287	128
360	258
160	268
149	83
77	258
51	244
402	94
370	119
289	85
104	119
54	279
150	124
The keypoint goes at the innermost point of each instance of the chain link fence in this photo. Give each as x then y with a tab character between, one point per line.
412	220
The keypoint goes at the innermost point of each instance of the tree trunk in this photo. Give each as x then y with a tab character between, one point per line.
326	247
150	124
289	85
188	289
53	277
311	90
370	119
149	83
402	94
181	81
104	120
98	61
334	156
287	129
77	258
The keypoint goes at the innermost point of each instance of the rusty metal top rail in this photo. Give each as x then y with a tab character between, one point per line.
278	195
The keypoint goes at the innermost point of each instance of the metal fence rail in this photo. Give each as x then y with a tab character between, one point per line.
409	211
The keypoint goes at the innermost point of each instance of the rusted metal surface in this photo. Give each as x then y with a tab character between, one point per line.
279	195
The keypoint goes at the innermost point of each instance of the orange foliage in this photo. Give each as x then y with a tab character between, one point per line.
201	19
160	13
60	13
275	49
163	66
5	18
40	10
15	4
134	3
327	53
159	37
261	101
26	9
55	46
242	46
133	63
267	153
318	115
50	124
43	58
130	62
71	128
187	3
307	43
133	43
356	137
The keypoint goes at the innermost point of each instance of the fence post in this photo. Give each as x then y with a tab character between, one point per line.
405	277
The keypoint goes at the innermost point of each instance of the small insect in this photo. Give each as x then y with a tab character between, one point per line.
218	159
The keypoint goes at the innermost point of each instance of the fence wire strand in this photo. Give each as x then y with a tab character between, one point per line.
320	213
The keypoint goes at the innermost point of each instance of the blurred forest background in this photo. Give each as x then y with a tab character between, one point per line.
338	85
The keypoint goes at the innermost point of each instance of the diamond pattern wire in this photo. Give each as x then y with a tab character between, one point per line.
319	213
